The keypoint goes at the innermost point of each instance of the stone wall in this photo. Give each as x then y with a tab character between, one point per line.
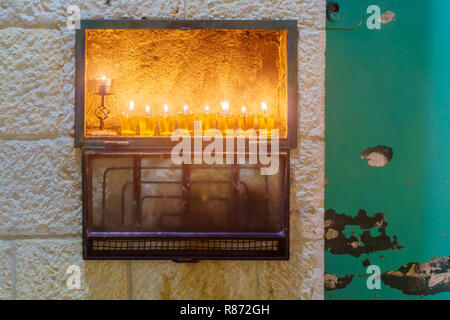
40	184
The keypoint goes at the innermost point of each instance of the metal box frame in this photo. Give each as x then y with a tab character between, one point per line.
289	25
132	245
141	245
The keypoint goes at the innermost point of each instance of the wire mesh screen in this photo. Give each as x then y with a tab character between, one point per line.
190	245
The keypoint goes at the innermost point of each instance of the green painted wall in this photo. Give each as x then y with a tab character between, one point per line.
390	87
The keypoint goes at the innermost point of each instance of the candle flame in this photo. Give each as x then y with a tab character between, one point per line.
103	77
206	108
166	108
186	109
131	105
264	107
147	109
243	109
225	106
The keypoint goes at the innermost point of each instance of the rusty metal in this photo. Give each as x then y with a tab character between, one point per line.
122	237
190	244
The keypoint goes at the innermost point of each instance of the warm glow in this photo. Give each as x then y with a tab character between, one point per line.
227	70
243	110
131	105
147	109
104	81
225	106
264	107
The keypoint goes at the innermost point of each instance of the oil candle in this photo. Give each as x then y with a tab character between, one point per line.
105	85
147	123
128	122
224	120
186	119
208	119
245	121
166	123
265	121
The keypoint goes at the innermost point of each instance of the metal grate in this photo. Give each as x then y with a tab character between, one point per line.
188	245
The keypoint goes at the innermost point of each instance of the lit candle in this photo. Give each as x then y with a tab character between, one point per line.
208	119
225	121
265	121
186	119
166	122
245	121
147	123
128	121
105	84
225	106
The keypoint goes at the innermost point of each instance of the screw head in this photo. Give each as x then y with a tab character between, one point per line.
333	11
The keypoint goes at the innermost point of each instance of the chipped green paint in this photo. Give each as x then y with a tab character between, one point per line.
389	87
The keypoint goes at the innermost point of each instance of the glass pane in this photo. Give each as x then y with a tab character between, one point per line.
191	198
112	192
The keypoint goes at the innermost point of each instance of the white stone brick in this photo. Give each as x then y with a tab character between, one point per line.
41	267
40	187
310	221
6	270
308	174
308	13
311	70
53	13
31	13
68	84
203	280
30	86
119	9
293	279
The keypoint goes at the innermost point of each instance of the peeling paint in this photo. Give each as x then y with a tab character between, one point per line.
388	16
338	243
378	156
428	278
331	234
332	282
